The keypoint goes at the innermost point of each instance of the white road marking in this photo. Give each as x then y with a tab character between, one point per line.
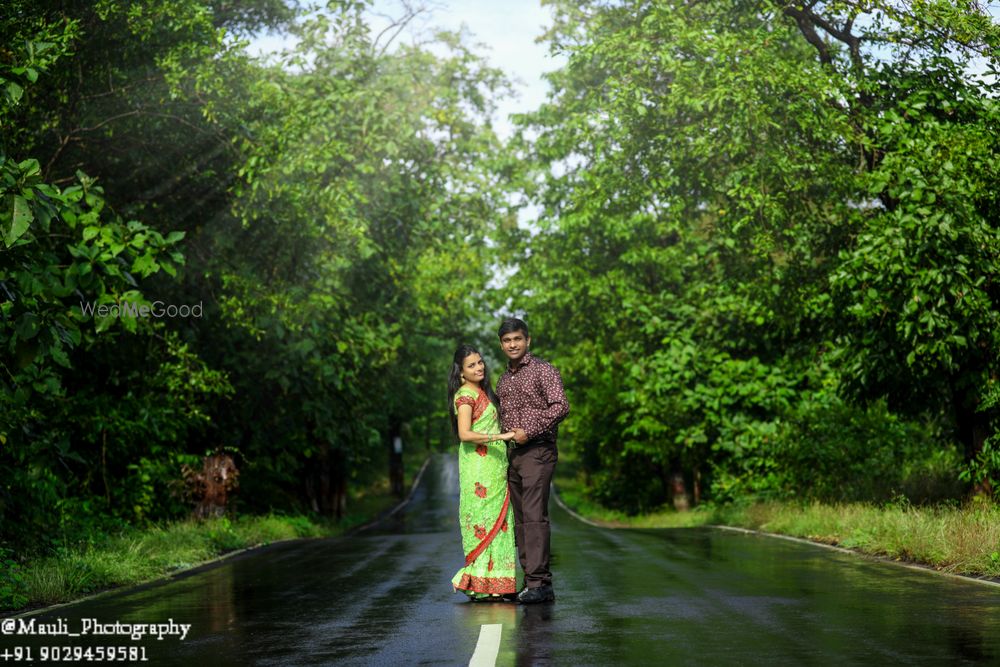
488	646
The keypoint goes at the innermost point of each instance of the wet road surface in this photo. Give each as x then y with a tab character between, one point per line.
660	597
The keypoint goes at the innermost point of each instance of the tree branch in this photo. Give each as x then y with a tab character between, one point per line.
396	26
106	121
808	21
809	32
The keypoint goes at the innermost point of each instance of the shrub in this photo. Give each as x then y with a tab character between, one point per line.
837	452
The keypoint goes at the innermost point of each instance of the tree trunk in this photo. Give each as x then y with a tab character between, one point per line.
396	458
338	477
678	489
973	429
326	483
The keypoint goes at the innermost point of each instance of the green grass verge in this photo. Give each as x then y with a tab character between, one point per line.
960	540
144	554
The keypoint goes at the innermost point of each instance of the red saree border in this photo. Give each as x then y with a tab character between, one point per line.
479	409
479	403
474	554
498	585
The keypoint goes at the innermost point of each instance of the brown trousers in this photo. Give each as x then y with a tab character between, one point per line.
530	476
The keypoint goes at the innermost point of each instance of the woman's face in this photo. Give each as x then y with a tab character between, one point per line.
473	368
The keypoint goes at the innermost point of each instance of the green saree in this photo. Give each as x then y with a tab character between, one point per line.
485	515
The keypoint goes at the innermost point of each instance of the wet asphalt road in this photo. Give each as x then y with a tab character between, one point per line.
658	597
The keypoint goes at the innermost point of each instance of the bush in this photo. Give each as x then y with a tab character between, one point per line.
984	469
632	483
832	451
11	581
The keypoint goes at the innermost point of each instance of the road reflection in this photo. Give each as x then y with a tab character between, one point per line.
688	596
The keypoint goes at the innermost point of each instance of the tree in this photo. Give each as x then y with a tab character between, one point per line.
704	212
332	210
915	289
70	274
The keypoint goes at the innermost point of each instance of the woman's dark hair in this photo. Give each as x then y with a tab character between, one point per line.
455	381
510	325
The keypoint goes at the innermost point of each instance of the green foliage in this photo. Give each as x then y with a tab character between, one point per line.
223	537
749	213
749	208
985	467
67	255
361	200
681	230
325	210
919	316
831	451
31	48
11	581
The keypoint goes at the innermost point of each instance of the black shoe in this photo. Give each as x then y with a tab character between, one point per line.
509	597
535	595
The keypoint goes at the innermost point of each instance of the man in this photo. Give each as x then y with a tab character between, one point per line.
532	404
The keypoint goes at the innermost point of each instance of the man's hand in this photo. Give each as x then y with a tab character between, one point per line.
520	437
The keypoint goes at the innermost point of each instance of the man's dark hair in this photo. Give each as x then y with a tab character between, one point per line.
512	324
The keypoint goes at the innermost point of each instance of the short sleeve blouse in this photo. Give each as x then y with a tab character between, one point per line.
478	400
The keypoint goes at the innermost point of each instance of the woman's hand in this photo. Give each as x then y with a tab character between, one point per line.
509	435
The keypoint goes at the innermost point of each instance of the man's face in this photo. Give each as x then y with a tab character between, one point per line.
514	345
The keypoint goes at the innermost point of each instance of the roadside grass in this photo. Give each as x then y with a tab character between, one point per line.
957	539
139	555
961	540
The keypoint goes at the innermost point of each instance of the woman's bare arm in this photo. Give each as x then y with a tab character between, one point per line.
466	434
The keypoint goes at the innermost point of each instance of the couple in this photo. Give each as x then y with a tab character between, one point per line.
504	489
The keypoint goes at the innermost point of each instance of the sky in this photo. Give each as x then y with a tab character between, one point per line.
506	31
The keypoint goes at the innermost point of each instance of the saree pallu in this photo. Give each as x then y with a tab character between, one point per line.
485	515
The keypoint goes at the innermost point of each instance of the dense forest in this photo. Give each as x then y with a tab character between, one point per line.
769	259
326	212
765	257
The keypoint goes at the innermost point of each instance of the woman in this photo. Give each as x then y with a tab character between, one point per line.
485	515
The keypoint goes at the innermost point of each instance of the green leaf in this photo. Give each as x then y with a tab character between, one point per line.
104	323
14	92
27	326
59	356
21	217
30	167
144	265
